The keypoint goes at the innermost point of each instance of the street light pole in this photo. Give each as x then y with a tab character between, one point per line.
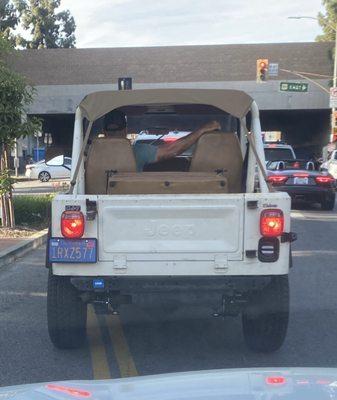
335	58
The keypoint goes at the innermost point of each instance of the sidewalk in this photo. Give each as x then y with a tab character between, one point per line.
13	248
6	244
37	187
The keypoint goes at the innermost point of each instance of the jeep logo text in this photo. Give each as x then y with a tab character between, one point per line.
164	230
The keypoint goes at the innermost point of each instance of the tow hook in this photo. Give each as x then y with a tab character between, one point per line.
288	237
91	210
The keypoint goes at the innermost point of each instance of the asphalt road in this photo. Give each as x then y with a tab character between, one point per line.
138	344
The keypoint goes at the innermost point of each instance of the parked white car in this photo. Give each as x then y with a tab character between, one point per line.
57	168
331	164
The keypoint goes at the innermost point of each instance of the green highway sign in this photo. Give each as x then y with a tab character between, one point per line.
298	87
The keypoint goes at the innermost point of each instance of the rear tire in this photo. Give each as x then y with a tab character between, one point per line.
66	313
265	320
44	176
328	203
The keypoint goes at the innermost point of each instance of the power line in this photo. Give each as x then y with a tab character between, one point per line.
308	79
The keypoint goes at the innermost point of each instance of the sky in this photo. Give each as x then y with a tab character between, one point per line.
129	23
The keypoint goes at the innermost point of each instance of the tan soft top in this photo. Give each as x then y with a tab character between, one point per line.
234	102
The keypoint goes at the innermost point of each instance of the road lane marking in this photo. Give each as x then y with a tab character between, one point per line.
297	214
309	253
99	359
314	216
28	294
123	355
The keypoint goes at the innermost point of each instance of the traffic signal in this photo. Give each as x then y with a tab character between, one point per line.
262	66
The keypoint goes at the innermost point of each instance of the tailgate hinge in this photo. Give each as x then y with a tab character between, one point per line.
119	264
220	263
91	209
288	237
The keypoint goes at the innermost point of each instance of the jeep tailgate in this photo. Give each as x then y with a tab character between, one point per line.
178	226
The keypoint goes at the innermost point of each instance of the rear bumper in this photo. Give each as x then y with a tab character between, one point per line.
29	174
311	193
222	295
169	284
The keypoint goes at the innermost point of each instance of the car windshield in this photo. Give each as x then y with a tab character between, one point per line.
278	153
168	217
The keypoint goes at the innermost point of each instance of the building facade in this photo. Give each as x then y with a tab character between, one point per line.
62	77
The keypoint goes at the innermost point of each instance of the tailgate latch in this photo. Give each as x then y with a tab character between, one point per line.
119	264
220	263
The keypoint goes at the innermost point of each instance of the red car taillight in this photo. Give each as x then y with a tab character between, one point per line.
72	224
275	380
271	223
277	179
324	180
75	392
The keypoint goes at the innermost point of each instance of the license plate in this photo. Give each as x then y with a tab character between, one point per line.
72	250
300	181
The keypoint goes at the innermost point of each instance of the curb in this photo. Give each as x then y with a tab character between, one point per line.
18	250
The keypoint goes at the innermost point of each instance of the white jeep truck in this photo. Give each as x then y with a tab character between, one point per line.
200	236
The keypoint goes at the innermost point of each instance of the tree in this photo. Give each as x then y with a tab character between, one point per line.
48	28
328	21
15	96
9	18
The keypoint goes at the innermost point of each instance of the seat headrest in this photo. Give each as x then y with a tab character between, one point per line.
220	151
107	154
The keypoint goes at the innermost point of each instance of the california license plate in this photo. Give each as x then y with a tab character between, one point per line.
62	250
300	181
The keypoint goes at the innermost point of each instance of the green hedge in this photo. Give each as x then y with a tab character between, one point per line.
32	211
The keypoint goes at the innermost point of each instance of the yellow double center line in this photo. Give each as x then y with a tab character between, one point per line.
99	359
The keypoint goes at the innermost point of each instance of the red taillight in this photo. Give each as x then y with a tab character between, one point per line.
275	380
324	180
277	179
271	223
72	224
323	382
69	390
301	175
